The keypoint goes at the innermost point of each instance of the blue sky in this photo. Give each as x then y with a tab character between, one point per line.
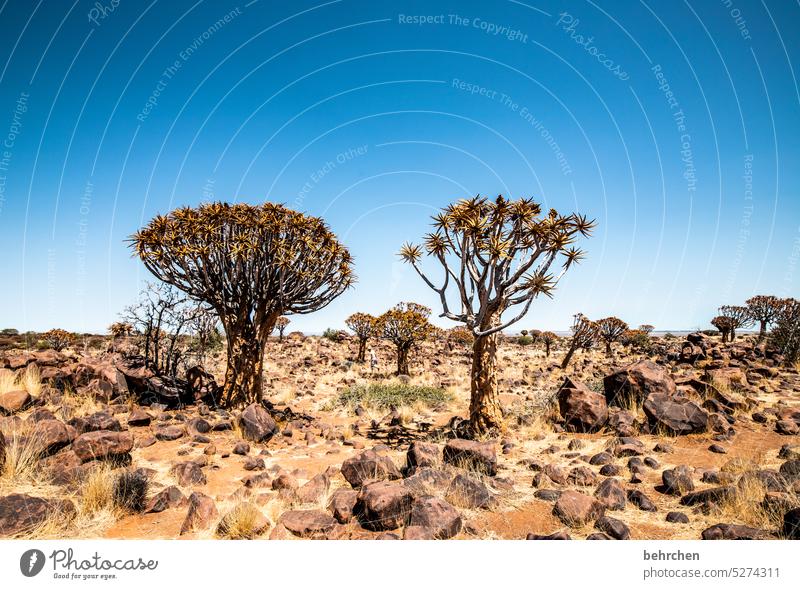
676	127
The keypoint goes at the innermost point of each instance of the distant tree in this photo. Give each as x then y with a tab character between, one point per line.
739	318
548	338
524	333
637	339
333	335
405	326
58	339
785	336
610	330
647	328
9	331
251	264
725	326
497	255
460	336
585	333
120	329
281	323
765	310
363	325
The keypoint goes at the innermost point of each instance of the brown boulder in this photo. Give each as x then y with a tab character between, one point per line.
201	515
576	509
21	514
477	456
188	474
256	423
369	465
633	384
313	524
50	435
14	401
436	515
342	503
384	505
423	454
102	444
673	415
582	409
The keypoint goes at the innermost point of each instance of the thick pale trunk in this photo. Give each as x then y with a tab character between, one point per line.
362	350
547	350
609	352
733	334
762	332
243	378
485	414
402	360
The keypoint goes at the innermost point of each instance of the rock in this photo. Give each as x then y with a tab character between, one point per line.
21	514
188	474
50	435
139	418
384	505
201	515
598	536
613	527
285	481
622	422
165	499
789	452
169	433
253	463
791	524
102	445
576	509
369	465
100	421
468	493
423	454
677	517
256	424
733	532
640	500
311	524
582	409
612	494
342	503
241	448
677	481
790	470
634	383
198	425
477	456
717	449
436	515
581	476
556	473
708	496
674	416
787	427
601	459
611	470
314	489
554	536
14	401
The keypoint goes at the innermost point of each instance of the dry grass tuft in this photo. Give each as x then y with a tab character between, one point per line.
243	522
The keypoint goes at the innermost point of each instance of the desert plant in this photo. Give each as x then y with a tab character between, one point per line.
785	335
525	340
252	264
363	326
724	325
585	333
459	336
548	338
58	339
120	329
646	327
610	330
765	310
333	335
636	339
281	323
497	255
386	395
130	490
739	318
405	326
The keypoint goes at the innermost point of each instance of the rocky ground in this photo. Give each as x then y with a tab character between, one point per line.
695	439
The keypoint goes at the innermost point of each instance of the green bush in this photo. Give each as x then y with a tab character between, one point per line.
525	340
333	335
387	394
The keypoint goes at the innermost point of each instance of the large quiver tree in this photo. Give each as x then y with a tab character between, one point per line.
495	256
765	310
405	325
363	326
252	264
610	330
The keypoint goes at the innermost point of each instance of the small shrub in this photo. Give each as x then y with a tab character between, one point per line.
130	490
387	395
333	335
525	340
243	522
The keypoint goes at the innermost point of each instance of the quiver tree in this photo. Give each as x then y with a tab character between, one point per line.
459	336
739	318
251	264
281	323
785	336
495	256
405	326
610	330
58	339
765	310
646	328
548	338
585	333
363	326
724	325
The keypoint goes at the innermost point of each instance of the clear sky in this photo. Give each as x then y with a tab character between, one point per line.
676	125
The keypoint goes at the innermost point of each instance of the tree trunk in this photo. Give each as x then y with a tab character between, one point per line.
762	332
362	350
609	353
402	359
484	407
280	335
733	334
547	350
568	357
243	378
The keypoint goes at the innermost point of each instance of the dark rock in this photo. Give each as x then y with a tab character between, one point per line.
582	409
201	515
554	536
576	509
139	418
435	514
256	424
165	499
610	470
613	527
634	383
612	494
21	514
423	454
169	433
733	532
188	474
478	456
384	505
791	524
468	493
640	500
369	465
342	503
311	524
708	496
677	481
102	445
677	517
678	417
314	489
